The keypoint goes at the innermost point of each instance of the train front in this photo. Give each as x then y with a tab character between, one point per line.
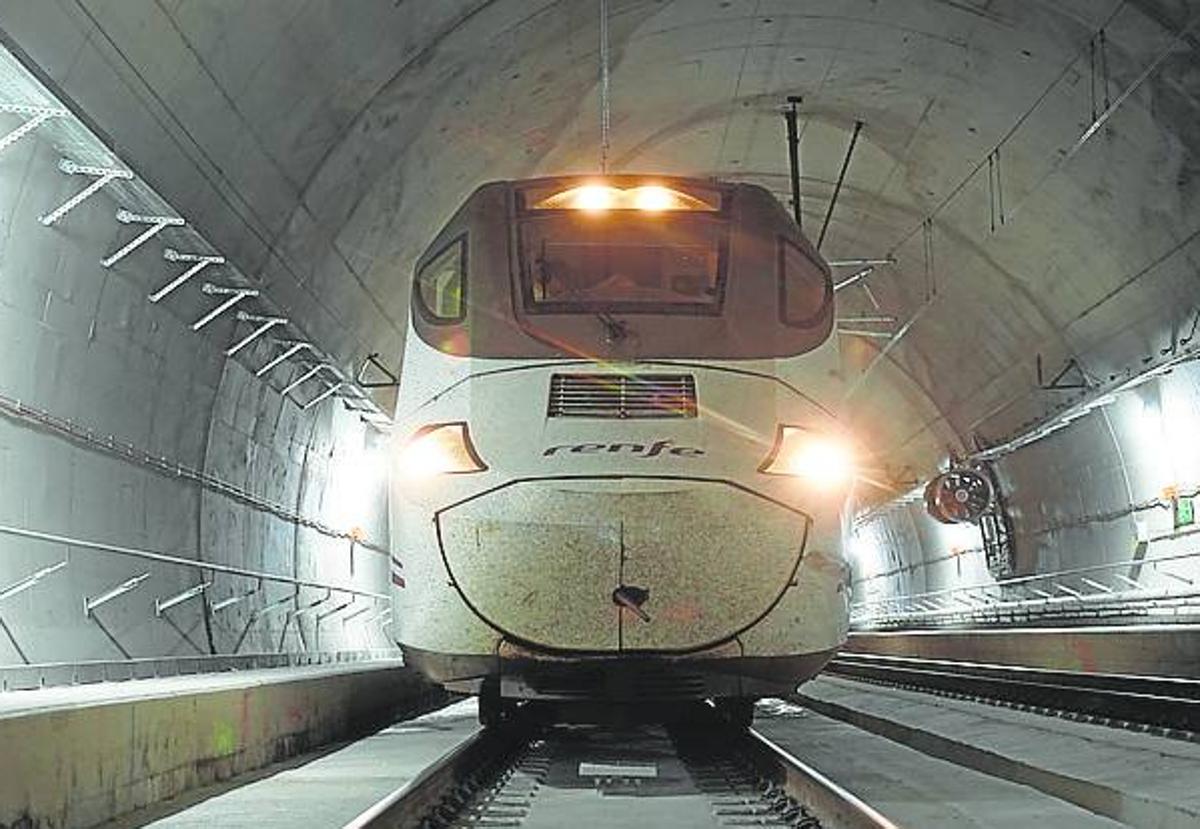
612	477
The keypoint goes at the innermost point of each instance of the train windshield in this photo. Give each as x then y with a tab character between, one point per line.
627	259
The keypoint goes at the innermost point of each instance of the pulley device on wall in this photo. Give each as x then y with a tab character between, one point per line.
959	495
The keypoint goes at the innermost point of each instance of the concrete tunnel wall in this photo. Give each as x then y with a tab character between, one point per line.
1098	491
81	343
324	164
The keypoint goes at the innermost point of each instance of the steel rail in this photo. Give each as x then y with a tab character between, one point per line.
410	803
1162	702
448	792
833	805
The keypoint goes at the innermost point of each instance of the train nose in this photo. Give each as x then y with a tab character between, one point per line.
600	565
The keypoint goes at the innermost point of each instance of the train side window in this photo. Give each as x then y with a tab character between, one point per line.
804	286
441	285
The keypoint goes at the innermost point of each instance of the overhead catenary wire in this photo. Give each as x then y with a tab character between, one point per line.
1008	134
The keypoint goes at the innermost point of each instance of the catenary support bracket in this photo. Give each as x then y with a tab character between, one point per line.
156	226
235	295
102	176
199	261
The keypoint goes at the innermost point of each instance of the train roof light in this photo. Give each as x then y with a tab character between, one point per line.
824	461
651	198
439	449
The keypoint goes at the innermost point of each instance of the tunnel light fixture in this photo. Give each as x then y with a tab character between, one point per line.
598	197
822	460
439	449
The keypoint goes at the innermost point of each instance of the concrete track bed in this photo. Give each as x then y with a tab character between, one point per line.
78	756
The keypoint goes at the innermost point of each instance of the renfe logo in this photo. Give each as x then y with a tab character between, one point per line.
636	449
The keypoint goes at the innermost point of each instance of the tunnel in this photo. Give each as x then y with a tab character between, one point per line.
328	425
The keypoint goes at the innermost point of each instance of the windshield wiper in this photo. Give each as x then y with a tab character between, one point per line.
615	330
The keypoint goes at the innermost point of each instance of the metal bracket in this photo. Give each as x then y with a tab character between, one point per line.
275	605
157	223
29	581
372	359
40	115
364	609
200	260
237	599
309	608
292	349
235	294
837	188
265	325
90	603
333	611
858	263
305	377
854	279
1060	383
103	176
331	388
793	140
163	605
874	319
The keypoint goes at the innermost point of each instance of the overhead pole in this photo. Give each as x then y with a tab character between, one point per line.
837	188
793	138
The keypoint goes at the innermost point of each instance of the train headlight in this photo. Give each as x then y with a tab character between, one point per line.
597	197
822	460
439	449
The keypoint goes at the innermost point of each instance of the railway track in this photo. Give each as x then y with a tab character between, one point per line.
700	773
1164	705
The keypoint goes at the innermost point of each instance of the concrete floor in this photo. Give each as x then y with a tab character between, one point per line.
331	789
1145	780
1138	779
913	789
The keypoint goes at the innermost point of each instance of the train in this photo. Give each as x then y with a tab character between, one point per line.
613	477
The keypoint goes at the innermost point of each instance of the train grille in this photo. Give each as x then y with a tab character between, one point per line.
622	395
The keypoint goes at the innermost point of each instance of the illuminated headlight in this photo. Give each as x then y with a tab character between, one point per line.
598	198
439	449
823	460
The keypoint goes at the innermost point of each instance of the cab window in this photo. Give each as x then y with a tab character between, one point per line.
623	264
441	285
804	287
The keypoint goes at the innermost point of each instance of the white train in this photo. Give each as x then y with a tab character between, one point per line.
611	481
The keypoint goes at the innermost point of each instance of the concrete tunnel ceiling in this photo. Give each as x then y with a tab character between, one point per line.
321	146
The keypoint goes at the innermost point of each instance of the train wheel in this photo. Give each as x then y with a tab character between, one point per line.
737	711
491	707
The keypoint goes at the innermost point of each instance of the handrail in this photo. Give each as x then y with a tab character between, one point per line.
165	558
